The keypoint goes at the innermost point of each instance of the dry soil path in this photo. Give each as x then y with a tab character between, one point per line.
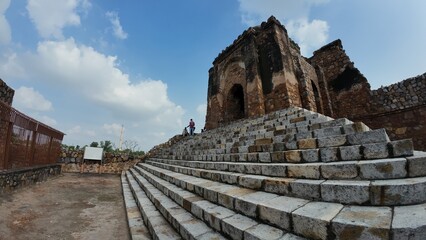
71	206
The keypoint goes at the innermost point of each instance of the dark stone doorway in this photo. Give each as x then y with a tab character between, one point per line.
235	107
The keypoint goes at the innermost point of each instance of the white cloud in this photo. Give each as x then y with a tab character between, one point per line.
46	120
116	26
29	99
51	16
294	14
5	32
95	77
309	35
202	110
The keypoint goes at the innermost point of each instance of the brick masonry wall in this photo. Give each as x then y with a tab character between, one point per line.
6	93
13	179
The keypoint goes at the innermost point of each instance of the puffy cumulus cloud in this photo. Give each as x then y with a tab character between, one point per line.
309	35
116	26
51	16
202	110
5	32
294	14
97	78
29	99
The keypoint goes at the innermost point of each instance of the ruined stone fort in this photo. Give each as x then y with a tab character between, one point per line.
263	71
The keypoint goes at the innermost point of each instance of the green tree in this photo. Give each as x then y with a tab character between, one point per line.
94	144
107	146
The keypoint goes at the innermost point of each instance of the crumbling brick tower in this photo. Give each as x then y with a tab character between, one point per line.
261	72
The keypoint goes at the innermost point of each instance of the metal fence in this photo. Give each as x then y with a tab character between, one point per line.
25	142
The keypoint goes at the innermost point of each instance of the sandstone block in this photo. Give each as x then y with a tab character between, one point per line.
357	222
345	191
375	150
307	143
278	146
306	170
227	198
293	156
277	211
193	228
277	157
383	168
263	141
340	170
336	123
313	219
409	222
278	185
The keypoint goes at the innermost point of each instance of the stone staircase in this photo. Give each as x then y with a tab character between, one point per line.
291	174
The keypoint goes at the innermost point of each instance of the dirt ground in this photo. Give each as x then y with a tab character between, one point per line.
70	206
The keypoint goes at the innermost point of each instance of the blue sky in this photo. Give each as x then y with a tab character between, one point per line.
89	67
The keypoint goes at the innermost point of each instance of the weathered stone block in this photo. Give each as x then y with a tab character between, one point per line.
402	148
417	164
340	170
373	136
383	168
329	154
264	157
306	170
213	216
227	198
235	225
278	185
375	150
332	141
293	156
398	191
277	170
306	189
409	222
328	131
252	157
345	191
356	127
263	141
262	231
357	222
310	155
278	157
247	204
313	219
308	143
278	211
350	152
251	181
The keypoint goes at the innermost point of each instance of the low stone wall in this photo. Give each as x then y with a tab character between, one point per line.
96	167
13	179
115	163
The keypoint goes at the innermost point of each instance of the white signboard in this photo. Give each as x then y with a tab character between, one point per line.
93	153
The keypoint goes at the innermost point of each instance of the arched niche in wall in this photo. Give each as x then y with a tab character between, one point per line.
235	103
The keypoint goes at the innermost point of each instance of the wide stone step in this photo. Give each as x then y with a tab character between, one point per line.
157	224
390	168
226	221
137	228
311	219
376	192
184	222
